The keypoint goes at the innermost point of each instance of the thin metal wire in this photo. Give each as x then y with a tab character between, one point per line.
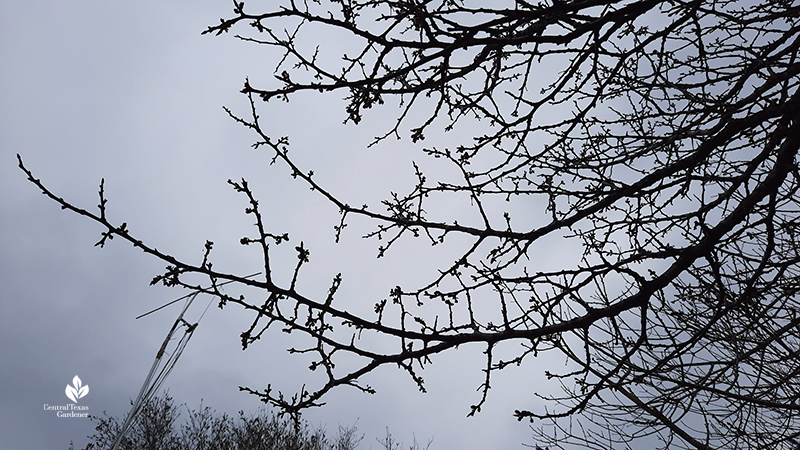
189	295
148	387
151	385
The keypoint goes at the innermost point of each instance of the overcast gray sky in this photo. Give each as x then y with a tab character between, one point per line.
131	92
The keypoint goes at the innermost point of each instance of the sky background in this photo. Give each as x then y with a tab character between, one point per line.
132	93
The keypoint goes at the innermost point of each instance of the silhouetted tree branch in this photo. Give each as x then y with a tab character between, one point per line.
660	137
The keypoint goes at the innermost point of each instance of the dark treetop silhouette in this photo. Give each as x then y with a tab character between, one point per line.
158	427
659	136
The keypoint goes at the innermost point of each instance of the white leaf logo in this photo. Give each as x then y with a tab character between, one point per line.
77	391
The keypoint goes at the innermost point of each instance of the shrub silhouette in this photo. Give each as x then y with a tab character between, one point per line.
157	428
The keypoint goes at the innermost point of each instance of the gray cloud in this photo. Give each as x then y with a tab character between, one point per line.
132	93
